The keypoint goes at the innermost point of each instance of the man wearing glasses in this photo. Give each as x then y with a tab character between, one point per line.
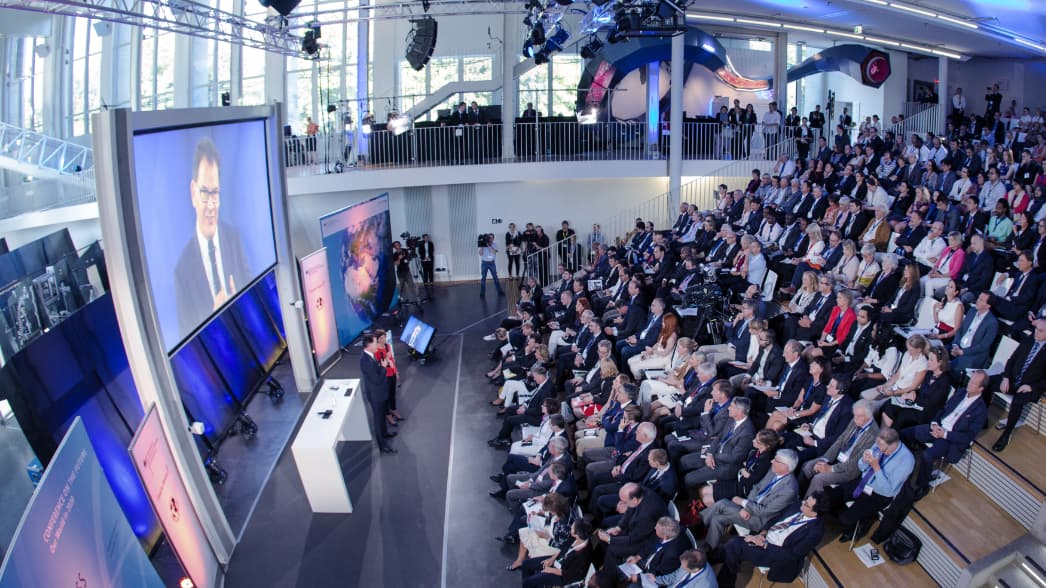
212	264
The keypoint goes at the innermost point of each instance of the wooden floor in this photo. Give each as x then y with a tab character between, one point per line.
849	570
974	525
1027	447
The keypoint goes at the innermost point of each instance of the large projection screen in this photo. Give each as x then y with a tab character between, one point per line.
205	217
359	258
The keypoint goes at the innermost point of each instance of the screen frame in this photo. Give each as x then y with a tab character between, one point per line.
129	285
149	127
404	337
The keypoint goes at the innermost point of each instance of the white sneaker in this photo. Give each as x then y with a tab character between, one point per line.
490	337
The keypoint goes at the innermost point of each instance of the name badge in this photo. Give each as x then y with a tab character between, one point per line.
830	338
843	457
868	490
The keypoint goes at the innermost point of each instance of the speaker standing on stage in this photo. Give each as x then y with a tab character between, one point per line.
427	255
376	388
386	358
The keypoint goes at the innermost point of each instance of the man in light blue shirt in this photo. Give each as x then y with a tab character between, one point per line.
885	468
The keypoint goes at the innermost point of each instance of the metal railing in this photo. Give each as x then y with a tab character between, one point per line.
575	252
434	145
926	121
34	149
910	109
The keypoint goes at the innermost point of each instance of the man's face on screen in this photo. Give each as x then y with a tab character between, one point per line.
206	194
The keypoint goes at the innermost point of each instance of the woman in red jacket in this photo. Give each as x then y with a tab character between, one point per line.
837	329
385	358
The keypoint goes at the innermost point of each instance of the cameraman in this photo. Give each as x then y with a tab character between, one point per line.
488	255
401	260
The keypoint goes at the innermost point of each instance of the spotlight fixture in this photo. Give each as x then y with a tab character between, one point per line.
590	50
528	48
537	34
541	58
399	125
284	7
557	39
588	117
309	45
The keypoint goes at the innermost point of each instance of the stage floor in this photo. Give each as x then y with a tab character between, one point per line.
398	534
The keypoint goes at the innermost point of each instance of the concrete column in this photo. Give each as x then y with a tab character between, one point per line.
275	78
509	94
942	92
781	74
183	71
675	123
653	107
362	63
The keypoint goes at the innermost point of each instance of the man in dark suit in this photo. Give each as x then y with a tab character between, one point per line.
526	414
849	356
786	389
710	424
977	270
768	498
971	345
1022	293
826	425
952	430
724	457
660	556
212	264
886	283
808	326
376	389
783	547
1024	378
427	254
817	120
636	528
646	336
628	467
632	320
839	464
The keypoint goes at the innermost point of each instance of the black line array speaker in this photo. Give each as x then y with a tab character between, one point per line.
421	42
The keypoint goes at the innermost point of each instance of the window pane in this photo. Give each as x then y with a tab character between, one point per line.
533	88
165	70
566	71
478	68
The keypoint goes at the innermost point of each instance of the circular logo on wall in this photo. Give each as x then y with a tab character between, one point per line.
875	68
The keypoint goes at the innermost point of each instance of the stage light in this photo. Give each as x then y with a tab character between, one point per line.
284	7
541	58
528	49
399	125
537	34
309	45
593	47
590	117
186	583
557	39
365	128
613	37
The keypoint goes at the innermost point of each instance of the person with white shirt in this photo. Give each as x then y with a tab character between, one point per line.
783	547
992	191
958	105
908	377
771	128
952	430
961	186
928	251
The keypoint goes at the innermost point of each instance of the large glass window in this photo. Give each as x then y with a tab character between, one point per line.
415	86
533	89
32	83
156	70
566	73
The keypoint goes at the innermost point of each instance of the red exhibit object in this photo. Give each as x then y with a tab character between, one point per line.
875	68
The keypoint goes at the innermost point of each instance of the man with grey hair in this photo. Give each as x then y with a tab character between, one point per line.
885	284
723	458
878	230
738	337
768	498
518	488
661	558
928	251
839	464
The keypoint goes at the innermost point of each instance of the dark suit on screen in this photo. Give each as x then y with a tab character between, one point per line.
193	302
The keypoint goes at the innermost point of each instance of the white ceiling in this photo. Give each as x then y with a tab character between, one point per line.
1025	17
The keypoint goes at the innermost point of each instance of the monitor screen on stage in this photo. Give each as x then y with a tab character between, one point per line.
417	334
205	216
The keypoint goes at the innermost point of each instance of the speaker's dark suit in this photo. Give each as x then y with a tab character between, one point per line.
957	441
376	391
637	527
193	302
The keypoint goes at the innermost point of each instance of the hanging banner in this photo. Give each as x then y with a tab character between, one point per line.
319	308
154	461
73	533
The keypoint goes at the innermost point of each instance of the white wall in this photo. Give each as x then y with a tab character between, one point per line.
544	202
1022	80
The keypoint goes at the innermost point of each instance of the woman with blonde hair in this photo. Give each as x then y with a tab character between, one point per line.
587	403
845	271
661	354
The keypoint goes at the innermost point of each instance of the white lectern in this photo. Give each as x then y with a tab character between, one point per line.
315	448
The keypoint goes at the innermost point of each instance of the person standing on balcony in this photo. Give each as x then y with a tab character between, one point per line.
488	255
311	129
817	120
563	236
772	129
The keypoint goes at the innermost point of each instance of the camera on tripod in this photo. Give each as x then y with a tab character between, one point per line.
410	243
484	239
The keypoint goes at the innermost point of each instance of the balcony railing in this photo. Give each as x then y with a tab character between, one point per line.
425	146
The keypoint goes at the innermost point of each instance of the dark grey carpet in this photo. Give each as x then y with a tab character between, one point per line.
395	536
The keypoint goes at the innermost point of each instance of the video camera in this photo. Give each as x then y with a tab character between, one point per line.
484	239
410	243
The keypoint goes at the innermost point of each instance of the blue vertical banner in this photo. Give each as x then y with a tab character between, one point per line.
73	533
